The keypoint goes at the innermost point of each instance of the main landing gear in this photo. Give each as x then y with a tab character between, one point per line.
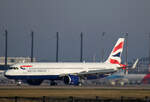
53	83
18	82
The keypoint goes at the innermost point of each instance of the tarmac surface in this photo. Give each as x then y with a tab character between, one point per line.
75	91
136	87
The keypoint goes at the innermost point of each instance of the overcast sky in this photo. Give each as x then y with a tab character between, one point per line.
70	18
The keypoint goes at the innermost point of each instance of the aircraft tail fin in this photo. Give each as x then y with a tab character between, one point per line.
115	56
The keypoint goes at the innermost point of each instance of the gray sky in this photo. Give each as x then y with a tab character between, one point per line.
70	17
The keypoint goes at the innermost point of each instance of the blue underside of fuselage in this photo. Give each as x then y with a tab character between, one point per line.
46	77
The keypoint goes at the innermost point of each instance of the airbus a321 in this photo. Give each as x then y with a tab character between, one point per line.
70	73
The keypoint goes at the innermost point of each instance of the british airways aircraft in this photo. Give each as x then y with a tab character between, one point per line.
70	73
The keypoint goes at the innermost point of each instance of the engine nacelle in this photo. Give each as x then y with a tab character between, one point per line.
71	80
34	82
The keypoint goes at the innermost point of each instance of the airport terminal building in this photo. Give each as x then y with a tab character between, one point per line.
13	60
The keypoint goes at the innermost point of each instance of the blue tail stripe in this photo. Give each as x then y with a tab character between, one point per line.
117	55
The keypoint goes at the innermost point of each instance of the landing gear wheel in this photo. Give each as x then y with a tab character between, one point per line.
80	84
18	83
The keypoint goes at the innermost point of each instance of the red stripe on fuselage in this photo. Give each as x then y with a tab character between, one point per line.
118	47
26	66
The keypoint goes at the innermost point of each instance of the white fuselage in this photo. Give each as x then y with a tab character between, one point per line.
57	68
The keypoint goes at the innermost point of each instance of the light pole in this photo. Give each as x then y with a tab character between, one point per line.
32	45
81	48
126	56
102	50
126	52
57	46
6	46
149	49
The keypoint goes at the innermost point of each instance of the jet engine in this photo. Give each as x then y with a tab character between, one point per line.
71	80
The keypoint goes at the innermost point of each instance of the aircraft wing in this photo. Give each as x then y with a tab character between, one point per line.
92	72
106	71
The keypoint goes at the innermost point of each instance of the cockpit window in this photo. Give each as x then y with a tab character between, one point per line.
15	68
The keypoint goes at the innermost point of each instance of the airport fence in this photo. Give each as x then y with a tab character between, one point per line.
71	99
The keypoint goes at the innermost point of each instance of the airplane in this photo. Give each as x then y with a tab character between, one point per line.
122	77
127	79
70	72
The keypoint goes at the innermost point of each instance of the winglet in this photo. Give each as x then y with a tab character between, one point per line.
135	64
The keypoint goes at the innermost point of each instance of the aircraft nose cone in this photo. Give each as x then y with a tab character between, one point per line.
6	73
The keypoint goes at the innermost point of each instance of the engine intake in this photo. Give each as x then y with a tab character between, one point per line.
71	80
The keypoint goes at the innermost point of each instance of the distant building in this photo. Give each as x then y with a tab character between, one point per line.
13	60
